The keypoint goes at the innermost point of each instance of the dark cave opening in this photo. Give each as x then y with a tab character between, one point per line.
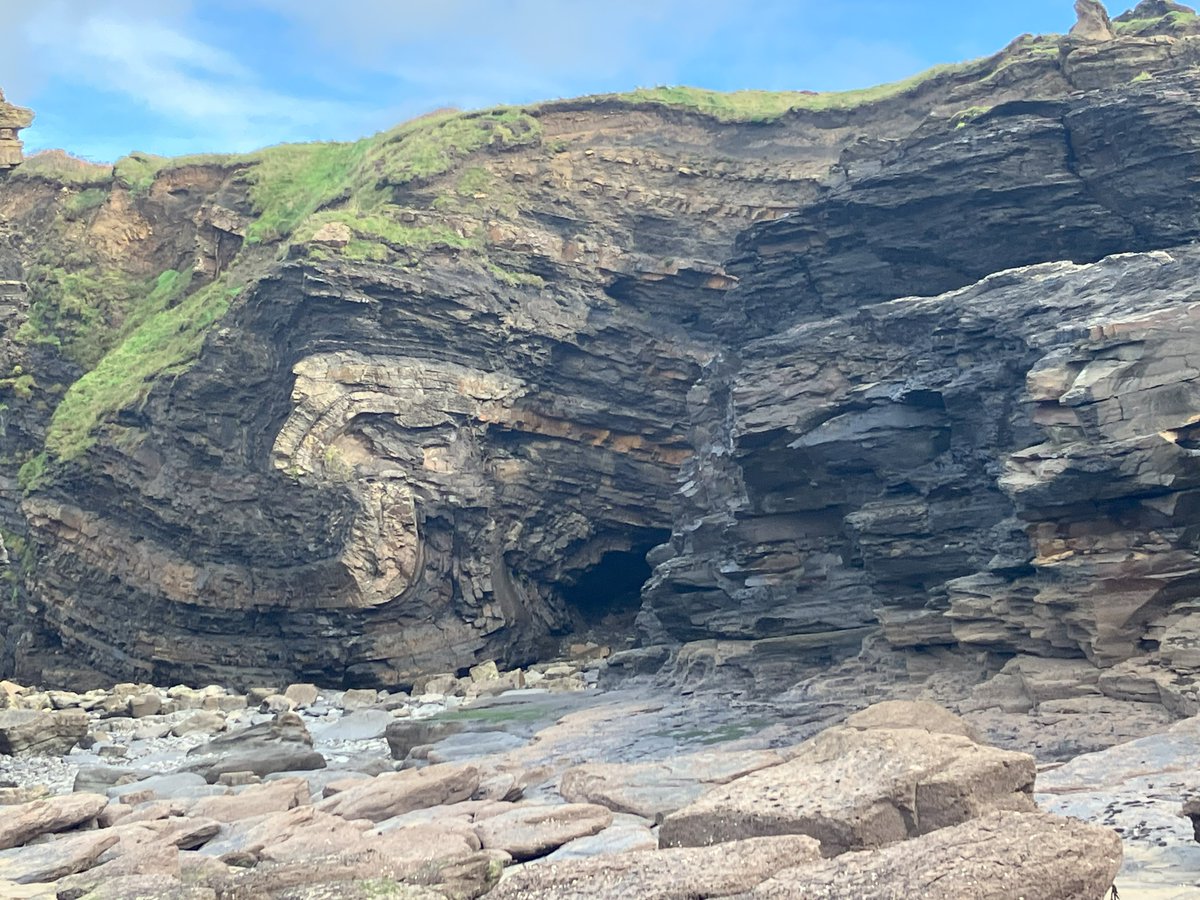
612	587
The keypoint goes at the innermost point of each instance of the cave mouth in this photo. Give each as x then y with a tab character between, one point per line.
610	589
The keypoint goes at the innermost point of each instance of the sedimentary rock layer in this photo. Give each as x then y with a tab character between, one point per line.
630	322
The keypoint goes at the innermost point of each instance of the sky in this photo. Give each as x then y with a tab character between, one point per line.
107	77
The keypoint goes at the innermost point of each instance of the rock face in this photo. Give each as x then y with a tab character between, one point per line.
12	120
622	339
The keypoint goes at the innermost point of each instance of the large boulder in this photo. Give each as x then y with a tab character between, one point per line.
998	856
395	793
857	789
21	824
54	859
281	745
52	733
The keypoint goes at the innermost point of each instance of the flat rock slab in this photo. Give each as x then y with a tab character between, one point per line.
360	725
1138	788
528	831
617	838
256	800
676	874
854	790
148	887
396	793
471	745
999	856
652	790
20	824
54	859
166	787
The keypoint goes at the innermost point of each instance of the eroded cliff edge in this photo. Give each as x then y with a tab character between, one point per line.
354	413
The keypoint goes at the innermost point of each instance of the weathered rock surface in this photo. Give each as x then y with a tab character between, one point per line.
54	859
29	731
395	793
12	120
675	874
858	789
20	824
532	830
280	745
651	790
998	856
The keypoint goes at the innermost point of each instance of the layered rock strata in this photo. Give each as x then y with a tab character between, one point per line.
464	439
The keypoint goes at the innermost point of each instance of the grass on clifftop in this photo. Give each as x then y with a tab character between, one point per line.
1172	21
767	106
163	342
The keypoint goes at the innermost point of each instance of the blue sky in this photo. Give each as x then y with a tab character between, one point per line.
178	76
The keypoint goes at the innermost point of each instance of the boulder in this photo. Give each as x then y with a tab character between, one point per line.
676	874
359	699
530	831
302	694
49	733
999	856
405	734
23	822
202	721
281	745
54	859
854	790
396	793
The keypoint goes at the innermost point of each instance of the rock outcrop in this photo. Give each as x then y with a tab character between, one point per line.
919	361
12	120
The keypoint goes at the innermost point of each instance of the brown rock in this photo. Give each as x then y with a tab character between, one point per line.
20	824
854	789
1092	22
302	694
395	793
51	733
918	714
256	800
54	859
532	830
999	856
677	874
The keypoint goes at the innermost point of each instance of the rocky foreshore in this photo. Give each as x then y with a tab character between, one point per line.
537	783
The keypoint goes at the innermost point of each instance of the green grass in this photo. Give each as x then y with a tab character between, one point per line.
164	343
1172	20
62	168
87	311
380	228
290	182
137	171
767	106
32	474
85	201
